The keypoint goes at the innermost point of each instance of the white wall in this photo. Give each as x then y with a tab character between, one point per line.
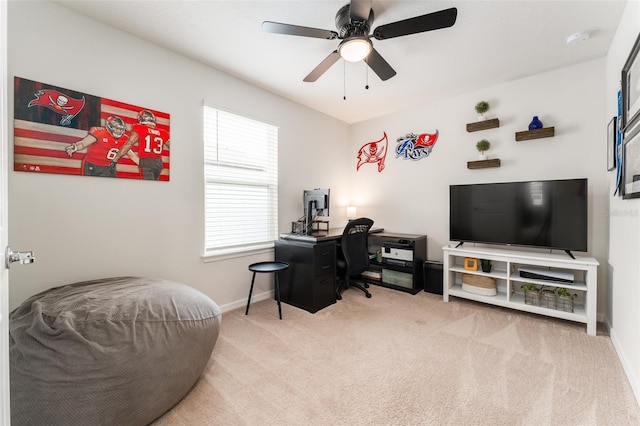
570	99
624	233
85	228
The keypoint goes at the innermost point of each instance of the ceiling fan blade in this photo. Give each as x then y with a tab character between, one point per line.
431	21
359	10
322	67
381	67
297	30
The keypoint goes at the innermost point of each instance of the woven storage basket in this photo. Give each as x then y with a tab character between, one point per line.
479	284
532	297
565	303
548	299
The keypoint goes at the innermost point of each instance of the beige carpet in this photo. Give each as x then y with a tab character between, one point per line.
401	359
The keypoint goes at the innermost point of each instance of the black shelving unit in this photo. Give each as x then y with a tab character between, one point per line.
407	276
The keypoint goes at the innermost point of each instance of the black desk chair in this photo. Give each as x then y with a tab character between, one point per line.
355	250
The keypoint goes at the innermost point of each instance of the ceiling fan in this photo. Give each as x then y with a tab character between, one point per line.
353	22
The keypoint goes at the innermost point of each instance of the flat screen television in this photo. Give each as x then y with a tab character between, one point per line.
545	214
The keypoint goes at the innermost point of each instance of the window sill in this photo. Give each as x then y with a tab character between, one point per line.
218	255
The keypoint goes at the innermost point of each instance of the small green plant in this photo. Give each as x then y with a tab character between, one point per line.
485	265
482	107
528	287
561	291
483	145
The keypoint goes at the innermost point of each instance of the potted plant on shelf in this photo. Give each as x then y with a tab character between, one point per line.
482	146
485	264
481	108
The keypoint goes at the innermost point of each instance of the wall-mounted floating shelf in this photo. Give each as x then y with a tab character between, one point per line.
483	125
545	132
483	164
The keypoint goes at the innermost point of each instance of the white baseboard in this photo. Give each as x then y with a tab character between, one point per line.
243	303
624	360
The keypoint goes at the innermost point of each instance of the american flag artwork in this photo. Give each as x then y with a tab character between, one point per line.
62	131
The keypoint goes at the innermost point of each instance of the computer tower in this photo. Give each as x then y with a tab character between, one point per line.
433	276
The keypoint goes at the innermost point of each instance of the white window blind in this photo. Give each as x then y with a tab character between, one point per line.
241	182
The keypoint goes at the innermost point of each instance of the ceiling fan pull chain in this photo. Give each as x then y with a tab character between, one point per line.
366	70
344	81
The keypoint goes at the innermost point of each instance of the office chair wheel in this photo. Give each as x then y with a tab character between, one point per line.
338	297
368	295
366	285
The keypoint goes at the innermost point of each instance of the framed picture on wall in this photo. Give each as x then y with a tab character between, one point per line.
63	131
631	165
631	88
612	131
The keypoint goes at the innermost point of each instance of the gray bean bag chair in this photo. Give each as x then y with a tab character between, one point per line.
115	351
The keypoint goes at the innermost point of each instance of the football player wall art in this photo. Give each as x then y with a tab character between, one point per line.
57	130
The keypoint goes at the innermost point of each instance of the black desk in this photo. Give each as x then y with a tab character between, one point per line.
310	282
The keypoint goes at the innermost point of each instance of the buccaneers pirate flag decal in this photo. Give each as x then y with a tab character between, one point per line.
373	152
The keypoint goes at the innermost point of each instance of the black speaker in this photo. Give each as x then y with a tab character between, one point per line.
433	276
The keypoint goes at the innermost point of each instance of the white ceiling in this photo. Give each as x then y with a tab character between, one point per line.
491	42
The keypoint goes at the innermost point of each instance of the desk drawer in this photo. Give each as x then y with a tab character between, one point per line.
324	259
325	291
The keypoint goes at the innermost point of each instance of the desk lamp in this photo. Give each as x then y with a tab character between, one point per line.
352	212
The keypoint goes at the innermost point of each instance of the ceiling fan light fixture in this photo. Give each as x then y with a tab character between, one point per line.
355	49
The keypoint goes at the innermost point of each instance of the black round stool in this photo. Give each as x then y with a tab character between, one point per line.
267	267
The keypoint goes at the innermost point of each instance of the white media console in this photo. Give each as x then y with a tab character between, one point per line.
506	266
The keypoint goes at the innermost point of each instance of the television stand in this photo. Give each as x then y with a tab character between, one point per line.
570	254
506	265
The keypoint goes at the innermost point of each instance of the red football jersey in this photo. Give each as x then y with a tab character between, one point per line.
105	148
151	140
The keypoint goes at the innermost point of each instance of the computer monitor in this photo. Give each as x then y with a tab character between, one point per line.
315	203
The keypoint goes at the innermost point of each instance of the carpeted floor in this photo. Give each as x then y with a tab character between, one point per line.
401	359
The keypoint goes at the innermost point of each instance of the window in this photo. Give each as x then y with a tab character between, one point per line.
241	182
